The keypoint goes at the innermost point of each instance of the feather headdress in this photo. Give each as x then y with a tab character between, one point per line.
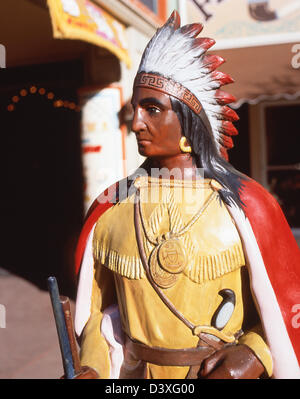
177	55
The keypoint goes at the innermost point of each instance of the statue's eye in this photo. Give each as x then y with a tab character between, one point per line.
153	110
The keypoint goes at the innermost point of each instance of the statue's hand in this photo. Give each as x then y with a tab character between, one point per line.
232	362
87	373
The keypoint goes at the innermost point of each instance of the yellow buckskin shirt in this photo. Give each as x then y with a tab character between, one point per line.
215	261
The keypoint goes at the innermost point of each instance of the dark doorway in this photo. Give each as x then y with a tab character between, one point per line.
283	158
41	172
239	155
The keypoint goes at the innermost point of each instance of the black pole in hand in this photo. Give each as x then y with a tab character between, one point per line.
62	332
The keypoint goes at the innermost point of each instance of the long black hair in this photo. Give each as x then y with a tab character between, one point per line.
206	156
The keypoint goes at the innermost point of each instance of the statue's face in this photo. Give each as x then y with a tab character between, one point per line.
155	124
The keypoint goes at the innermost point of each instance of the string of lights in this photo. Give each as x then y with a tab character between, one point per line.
49	95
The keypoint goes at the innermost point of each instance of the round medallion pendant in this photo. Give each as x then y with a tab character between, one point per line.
171	256
161	277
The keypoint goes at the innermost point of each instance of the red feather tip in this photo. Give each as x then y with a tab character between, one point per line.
212	62
191	30
224	98
229	114
223	78
226	141
203	42
229	129
174	20
224	153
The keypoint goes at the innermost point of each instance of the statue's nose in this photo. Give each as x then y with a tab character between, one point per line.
138	122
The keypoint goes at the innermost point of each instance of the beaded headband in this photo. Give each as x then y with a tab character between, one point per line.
168	86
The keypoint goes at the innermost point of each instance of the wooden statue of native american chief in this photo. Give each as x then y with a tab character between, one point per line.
187	268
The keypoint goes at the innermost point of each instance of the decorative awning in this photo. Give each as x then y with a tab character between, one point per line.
247	23
260	41
263	73
83	20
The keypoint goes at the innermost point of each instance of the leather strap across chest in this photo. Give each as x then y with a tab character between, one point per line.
200	331
162	296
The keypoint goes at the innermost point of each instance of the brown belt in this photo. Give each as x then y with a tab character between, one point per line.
168	357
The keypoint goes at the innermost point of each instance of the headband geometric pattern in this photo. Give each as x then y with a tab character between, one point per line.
168	86
175	62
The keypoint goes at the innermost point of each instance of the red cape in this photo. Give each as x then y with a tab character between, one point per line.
280	253
105	201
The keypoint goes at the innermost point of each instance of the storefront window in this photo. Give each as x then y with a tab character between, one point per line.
151	4
283	159
156	9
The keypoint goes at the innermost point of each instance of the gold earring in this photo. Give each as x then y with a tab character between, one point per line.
183	144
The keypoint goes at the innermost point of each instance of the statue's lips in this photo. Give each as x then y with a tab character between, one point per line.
143	141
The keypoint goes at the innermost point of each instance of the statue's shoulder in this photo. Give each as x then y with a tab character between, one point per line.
116	192
256	198
105	200
268	222
100	205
